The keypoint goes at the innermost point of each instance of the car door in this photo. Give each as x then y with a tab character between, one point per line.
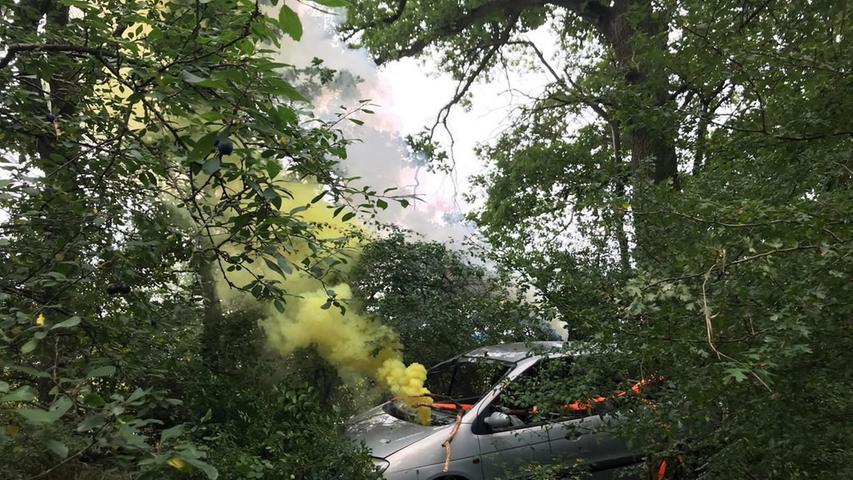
576	432
503	451
580	441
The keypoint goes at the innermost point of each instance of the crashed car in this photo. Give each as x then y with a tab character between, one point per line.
475	433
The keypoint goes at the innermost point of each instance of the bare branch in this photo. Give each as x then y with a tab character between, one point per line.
465	84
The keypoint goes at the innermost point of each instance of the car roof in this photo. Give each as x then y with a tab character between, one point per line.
515	352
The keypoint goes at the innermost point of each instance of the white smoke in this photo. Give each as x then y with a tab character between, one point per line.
380	156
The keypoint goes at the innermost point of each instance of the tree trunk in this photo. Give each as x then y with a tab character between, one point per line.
653	153
650	136
212	327
650	148
619	219
61	218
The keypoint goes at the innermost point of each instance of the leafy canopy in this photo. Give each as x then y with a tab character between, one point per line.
680	192
148	149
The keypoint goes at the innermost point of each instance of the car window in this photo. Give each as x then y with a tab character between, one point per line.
563	388
525	390
521	409
465	381
555	389
454	384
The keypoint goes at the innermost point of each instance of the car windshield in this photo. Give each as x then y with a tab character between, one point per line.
461	382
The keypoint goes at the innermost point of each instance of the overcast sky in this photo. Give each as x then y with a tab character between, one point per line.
409	94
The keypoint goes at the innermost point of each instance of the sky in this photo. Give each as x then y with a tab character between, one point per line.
408	95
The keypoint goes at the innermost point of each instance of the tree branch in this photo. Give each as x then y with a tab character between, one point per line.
401	7
14	49
465	84
593	11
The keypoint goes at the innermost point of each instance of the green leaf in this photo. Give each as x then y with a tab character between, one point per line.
736	374
381	204
131	436
57	447
105	371
212	165
192	78
208	469
289	22
171	433
333	3
71	322
212	83
203	147
93	399
137	394
273	266
279	305
279	86
22	394
349	216
211	116
273	168
318	197
283	264
91	422
270	193
30	345
38	416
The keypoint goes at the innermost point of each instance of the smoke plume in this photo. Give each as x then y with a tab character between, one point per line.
357	346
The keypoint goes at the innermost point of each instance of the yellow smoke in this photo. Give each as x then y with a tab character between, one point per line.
357	346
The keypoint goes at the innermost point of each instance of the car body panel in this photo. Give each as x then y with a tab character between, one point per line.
502	453
426	460
385	434
579	440
513	352
415	452
505	451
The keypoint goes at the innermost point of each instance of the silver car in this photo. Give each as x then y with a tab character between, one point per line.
492	439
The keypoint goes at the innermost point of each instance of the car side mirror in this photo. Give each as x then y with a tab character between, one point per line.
498	420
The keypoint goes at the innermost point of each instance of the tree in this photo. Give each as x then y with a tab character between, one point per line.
473	35
705	208
147	151
440	304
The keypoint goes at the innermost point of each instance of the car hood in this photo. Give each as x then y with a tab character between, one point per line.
385	434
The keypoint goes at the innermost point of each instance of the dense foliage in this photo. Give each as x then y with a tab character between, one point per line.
440	304
146	151
681	193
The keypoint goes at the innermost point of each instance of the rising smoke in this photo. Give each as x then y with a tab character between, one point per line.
379	157
357	346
